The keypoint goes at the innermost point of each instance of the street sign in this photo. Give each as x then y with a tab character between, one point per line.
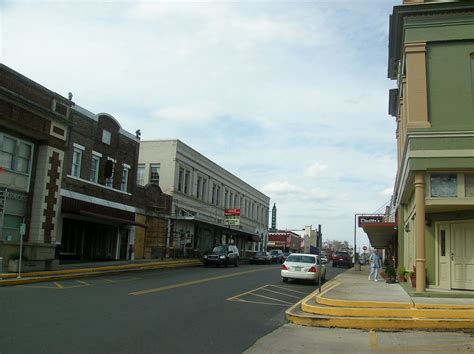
232	217
364	248
370	219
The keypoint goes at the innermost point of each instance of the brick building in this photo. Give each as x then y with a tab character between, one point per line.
34	122
285	240
98	207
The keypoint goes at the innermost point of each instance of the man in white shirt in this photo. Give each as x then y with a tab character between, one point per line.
375	265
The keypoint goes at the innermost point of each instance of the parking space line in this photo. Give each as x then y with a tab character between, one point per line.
277	292
257	302
271	298
84	283
59	286
246	293
289	289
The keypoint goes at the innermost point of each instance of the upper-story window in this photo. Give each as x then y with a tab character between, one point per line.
218	195
180	179
110	171
141	175
95	163
15	154
155	174
198	187
187	177
106	136
204	190
443	185
77	160
124	183
226	199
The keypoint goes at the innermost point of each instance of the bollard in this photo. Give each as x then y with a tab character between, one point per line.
1	265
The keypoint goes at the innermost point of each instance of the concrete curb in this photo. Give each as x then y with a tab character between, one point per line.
38	277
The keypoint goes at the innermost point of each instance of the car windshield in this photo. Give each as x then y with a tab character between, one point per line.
260	253
220	249
341	253
273	252
301	259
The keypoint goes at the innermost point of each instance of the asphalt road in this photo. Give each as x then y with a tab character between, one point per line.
187	310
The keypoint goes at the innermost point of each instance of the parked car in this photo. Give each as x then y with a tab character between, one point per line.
222	255
277	256
285	256
260	257
342	259
303	266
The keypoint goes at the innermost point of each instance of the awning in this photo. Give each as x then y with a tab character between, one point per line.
380	233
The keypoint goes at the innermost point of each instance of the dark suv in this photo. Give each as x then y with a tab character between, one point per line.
222	254
342	258
277	256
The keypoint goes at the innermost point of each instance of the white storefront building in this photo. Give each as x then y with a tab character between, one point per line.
201	190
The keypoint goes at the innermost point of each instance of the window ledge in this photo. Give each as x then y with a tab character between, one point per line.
98	185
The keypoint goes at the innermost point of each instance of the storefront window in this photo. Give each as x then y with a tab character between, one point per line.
14	210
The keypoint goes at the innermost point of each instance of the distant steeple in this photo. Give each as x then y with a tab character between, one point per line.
274	217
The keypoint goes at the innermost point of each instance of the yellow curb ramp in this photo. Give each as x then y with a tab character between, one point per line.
318	310
36	277
390	312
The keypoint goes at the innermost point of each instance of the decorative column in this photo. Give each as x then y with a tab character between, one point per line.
420	231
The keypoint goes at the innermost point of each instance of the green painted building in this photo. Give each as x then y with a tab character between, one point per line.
431	58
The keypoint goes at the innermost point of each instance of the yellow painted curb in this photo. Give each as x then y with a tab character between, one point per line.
66	275
365	304
388	312
379	323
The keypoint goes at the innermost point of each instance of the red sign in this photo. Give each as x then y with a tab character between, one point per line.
233	212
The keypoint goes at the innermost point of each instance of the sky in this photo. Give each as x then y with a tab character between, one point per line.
290	96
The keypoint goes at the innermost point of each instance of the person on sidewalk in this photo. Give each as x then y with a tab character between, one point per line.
375	265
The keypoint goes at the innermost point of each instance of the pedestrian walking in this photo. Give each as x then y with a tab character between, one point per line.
375	265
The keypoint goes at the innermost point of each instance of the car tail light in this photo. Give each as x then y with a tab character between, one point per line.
312	270
284	267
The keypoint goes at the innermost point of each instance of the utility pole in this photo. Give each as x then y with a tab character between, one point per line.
319	237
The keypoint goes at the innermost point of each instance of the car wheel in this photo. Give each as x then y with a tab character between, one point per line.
334	265
285	280
226	264
206	265
236	262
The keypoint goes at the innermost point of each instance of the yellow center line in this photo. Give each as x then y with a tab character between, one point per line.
58	285
179	285
277	292
373	340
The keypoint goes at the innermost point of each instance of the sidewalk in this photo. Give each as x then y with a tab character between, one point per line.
352	301
92	269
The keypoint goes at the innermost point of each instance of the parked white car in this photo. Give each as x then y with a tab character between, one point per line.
302	266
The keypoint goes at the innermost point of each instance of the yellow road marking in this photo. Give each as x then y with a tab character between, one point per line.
58	285
108	280
289	289
257	302
373	340
83	282
271	298
246	293
174	286
277	292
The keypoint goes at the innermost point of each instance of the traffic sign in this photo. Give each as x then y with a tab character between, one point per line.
364	248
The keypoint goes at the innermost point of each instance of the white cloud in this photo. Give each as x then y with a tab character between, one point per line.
316	170
299	97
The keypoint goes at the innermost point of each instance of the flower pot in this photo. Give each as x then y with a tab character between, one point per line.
402	279
413	281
